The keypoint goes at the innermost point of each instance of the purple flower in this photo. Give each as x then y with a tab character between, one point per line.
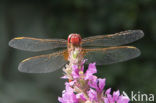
92	82
110	98
92	95
108	91
101	84
76	70
98	84
68	95
123	99
106	100
81	97
116	95
90	71
116	98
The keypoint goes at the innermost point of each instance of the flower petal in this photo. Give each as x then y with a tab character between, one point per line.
116	95
90	71
108	91
123	99
101	84
93	82
92	95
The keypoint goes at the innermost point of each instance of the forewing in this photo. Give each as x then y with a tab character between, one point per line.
36	44
44	63
110	55
116	39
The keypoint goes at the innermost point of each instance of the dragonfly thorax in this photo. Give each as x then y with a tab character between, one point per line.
74	39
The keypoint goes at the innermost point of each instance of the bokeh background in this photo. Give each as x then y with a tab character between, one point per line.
59	18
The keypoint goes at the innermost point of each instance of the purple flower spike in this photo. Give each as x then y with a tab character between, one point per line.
86	87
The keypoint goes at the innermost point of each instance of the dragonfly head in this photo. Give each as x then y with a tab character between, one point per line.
74	39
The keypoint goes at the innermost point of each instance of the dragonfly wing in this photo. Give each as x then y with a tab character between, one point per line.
44	63
110	55
36	44
116	39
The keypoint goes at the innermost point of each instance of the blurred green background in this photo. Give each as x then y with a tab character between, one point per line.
59	18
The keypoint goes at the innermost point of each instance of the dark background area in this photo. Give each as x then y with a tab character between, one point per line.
57	19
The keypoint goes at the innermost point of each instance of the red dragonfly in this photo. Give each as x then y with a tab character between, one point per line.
103	49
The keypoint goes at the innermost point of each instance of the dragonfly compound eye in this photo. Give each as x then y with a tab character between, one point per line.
74	39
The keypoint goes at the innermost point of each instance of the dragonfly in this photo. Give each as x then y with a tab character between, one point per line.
102	49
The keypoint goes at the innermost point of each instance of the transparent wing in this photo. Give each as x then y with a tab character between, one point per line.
110	55
35	44
116	39
44	63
